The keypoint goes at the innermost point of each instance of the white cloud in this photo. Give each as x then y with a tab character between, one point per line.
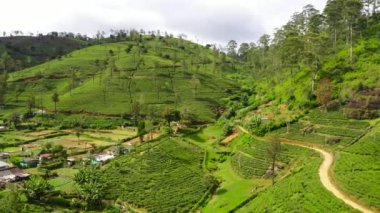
208	20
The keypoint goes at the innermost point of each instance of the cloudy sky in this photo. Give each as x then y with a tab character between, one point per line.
214	21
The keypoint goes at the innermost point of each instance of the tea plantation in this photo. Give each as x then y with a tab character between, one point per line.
252	161
160	177
325	125
358	168
301	191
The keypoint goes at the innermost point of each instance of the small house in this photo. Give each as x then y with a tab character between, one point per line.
3	165
264	120
3	128
70	161
103	158
11	174
43	157
29	162
4	155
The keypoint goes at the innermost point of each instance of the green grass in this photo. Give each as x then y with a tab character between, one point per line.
64	182
358	167
233	190
159	177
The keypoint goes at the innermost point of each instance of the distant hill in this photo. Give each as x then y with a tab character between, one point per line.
19	52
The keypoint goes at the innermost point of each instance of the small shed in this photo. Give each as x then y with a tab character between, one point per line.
29	162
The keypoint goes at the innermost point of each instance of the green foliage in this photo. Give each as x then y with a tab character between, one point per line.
91	186
36	188
10	202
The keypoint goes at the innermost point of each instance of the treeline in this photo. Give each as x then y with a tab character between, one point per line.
309	41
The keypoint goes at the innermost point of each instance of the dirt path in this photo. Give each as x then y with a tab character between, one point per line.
324	170
229	138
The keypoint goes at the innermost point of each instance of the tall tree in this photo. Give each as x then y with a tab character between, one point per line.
353	10
231	49
324	92
334	18
55	99
243	51
141	131
273	153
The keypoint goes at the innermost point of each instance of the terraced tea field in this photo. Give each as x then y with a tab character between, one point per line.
160	177
323	126
301	191
251	159
357	169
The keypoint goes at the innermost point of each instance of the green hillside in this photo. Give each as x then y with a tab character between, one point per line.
111	78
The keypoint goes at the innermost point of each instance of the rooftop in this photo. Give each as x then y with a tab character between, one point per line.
3	164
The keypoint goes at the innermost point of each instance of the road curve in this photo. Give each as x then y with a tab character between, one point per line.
324	169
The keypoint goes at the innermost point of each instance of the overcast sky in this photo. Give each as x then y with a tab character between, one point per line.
212	21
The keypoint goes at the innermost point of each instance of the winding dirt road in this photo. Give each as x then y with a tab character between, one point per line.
324	170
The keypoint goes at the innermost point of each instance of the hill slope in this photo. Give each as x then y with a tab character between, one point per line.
111	78
25	51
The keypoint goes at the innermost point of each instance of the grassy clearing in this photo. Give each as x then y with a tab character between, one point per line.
233	190
64	182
